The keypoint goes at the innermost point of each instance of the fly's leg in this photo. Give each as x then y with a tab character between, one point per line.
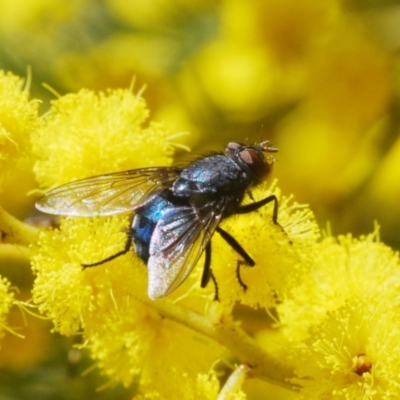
127	247
207	266
239	278
207	271
258	204
248	208
240	250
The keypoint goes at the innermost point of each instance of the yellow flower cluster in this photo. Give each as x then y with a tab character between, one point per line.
179	385
88	134
280	252
317	314
352	354
6	301
342	317
320	79
335	300
325	292
109	304
18	118
328	294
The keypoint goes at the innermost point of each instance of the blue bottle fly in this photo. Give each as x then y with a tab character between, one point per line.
176	210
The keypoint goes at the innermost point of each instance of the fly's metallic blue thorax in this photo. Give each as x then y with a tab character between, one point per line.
212	175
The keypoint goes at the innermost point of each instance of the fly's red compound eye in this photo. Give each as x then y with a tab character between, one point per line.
252	157
255	162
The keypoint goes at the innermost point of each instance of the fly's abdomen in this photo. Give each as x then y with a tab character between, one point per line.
144	223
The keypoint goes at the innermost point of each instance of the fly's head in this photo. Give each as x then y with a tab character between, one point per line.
251	158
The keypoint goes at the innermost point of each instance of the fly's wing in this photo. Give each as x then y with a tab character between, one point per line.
107	194
177	243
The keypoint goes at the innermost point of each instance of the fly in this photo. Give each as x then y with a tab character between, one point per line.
176	210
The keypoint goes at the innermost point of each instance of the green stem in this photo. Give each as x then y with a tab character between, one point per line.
13	231
263	365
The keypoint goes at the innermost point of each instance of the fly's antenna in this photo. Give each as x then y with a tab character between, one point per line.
264	147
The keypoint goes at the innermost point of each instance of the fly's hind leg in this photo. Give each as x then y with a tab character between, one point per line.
247	260
207	271
127	247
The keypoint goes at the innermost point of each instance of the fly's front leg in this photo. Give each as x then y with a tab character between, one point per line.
245	209
258	204
248	208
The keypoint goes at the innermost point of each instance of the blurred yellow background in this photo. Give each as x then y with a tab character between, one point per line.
319	79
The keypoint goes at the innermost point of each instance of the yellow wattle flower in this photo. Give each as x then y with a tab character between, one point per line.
341	269
87	133
6	301
279	251
18	119
353	353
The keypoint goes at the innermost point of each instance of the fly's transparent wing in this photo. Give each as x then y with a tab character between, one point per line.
177	243
107	194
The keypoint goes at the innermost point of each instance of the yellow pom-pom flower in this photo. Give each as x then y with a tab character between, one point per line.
6	301
342	269
18	119
69	295
181	386
280	251
86	134
130	336
353	354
